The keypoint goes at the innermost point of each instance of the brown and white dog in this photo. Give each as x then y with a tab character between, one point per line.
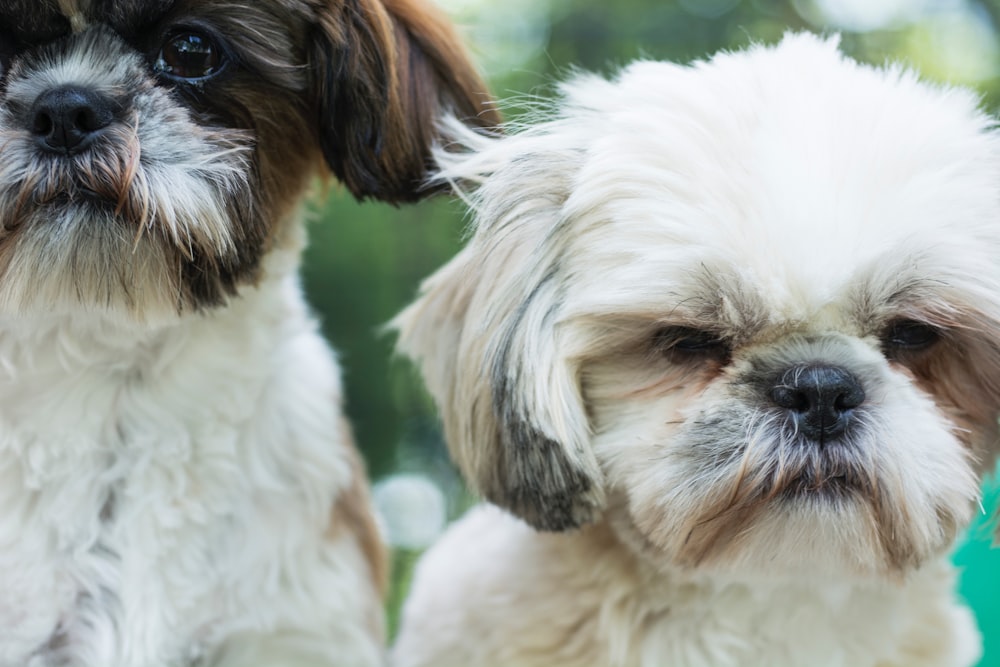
727	338
177	484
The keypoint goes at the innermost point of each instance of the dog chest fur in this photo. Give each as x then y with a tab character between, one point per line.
571	600
135	473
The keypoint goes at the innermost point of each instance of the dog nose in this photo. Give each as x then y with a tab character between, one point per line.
819	398
67	119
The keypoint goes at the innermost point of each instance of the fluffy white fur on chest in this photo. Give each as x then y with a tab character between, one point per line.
576	600
162	491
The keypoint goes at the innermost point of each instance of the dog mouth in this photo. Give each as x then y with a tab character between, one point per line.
825	488
108	174
834	472
111	189
73	203
79	198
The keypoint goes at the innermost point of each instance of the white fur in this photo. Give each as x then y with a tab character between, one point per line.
164	494
796	205
494	593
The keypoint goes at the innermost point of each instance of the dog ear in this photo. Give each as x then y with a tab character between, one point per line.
485	333
384	72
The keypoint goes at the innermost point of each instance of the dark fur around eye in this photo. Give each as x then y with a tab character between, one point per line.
8	47
690	343
906	335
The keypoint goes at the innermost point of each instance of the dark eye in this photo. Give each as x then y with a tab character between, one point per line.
189	55
692	343
909	336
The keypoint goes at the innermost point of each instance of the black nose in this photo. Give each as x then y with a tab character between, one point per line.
67	119
820	399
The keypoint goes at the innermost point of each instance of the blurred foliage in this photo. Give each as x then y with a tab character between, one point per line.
366	260
363	264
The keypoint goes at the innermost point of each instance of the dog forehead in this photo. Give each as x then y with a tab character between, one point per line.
122	12
32	19
41	20
790	167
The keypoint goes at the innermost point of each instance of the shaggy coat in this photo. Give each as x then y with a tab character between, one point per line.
728	333
178	486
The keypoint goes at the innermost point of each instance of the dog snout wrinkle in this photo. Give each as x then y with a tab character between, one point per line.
67	119
819	398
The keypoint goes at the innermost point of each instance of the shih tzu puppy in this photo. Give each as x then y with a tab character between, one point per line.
178	487
727	338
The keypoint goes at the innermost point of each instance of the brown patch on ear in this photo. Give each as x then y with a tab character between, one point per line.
353	515
384	72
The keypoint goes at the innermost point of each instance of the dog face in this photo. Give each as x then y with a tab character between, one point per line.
153	151
749	308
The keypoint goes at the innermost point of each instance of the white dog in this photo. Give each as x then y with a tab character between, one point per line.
734	329
178	486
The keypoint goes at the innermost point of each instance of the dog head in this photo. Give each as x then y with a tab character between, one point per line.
152	152
751	305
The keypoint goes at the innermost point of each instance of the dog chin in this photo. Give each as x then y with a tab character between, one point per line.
851	524
79	250
814	534
83	259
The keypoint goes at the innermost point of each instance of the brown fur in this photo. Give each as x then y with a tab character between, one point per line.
962	375
388	71
353	515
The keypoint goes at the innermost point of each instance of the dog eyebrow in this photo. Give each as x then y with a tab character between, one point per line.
31	21
129	16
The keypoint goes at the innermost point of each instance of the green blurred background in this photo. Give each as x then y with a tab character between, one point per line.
366	260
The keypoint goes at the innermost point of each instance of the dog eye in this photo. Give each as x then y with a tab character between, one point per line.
189	55
694	343
909	336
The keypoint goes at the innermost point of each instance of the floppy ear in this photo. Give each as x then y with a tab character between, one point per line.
484	332
384	72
